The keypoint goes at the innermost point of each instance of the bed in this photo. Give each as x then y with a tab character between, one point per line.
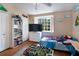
58	43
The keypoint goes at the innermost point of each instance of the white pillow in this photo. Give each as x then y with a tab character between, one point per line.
44	38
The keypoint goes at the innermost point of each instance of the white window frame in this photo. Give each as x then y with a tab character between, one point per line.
51	21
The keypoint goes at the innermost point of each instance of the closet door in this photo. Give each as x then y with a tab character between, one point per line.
1	46
4	31
25	28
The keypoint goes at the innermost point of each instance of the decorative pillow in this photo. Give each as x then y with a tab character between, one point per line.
53	37
61	39
67	37
57	38
50	37
44	38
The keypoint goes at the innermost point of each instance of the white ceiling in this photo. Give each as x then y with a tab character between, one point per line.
43	8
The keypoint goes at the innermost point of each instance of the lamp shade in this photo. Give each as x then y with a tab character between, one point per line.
2	8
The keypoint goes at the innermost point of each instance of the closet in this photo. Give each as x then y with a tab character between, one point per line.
19	29
13	30
4	31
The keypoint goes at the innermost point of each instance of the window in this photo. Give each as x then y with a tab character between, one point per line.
47	23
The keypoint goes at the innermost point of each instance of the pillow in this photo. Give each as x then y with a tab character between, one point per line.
67	37
51	37
61	39
44	38
57	38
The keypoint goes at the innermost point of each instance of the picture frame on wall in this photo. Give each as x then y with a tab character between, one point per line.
77	21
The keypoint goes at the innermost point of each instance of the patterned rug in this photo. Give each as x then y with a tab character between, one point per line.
35	51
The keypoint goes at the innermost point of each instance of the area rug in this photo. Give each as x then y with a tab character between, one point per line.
21	52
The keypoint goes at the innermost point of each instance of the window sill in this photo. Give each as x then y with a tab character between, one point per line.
47	31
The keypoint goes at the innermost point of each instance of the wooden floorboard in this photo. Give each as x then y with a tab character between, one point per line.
61	53
12	51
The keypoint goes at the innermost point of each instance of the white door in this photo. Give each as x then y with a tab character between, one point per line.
25	28
1	47
4	31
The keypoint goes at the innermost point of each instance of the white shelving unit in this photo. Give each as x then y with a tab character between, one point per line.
16	30
19	30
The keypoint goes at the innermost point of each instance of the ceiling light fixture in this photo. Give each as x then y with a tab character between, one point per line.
48	4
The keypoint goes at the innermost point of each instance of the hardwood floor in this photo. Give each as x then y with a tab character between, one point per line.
61	53
12	51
